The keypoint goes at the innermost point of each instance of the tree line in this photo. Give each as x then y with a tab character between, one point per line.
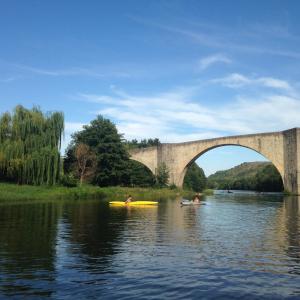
30	143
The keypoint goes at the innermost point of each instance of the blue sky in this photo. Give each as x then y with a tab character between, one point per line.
176	70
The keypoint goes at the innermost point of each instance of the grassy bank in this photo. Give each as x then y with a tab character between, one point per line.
27	192
208	192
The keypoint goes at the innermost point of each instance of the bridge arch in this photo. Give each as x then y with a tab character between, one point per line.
146	156
182	175
141	175
144	164
282	148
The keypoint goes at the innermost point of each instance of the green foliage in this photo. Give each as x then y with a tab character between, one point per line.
162	175
269	180
195	178
258	176
29	146
68	180
111	156
69	163
142	144
172	186
139	175
112	166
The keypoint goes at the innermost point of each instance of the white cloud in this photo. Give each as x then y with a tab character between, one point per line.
237	80
233	80
208	61
274	83
175	115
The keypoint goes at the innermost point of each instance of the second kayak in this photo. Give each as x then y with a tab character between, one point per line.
189	202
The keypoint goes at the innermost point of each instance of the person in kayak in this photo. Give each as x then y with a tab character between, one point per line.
196	198
129	199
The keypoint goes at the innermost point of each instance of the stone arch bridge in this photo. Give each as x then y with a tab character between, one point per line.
281	148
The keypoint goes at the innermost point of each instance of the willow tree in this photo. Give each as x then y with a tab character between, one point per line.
30	144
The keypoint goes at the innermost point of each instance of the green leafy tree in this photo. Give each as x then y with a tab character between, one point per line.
162	175
29	146
131	173
142	144
139	174
111	157
195	178
269	180
69	160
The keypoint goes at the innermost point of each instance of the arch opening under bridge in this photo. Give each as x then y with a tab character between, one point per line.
226	155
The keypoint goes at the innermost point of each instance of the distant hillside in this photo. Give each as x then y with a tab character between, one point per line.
259	176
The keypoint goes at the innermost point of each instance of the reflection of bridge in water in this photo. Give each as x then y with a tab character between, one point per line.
281	148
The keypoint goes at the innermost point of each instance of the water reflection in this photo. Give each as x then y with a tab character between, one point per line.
233	245
290	237
27	247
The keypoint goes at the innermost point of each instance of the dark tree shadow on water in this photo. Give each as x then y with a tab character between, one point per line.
27	247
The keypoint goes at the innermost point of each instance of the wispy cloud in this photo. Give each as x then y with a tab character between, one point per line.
97	98
208	61
233	80
274	83
233	39
175	115
236	80
73	71
272	30
8	79
59	72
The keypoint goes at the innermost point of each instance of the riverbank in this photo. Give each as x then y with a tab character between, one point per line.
14	192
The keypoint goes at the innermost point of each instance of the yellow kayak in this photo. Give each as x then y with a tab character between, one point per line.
133	203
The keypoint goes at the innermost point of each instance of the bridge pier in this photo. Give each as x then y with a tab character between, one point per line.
291	157
281	148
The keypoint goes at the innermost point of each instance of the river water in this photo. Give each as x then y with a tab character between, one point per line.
236	246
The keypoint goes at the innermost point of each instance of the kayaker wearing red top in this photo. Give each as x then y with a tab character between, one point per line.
129	199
